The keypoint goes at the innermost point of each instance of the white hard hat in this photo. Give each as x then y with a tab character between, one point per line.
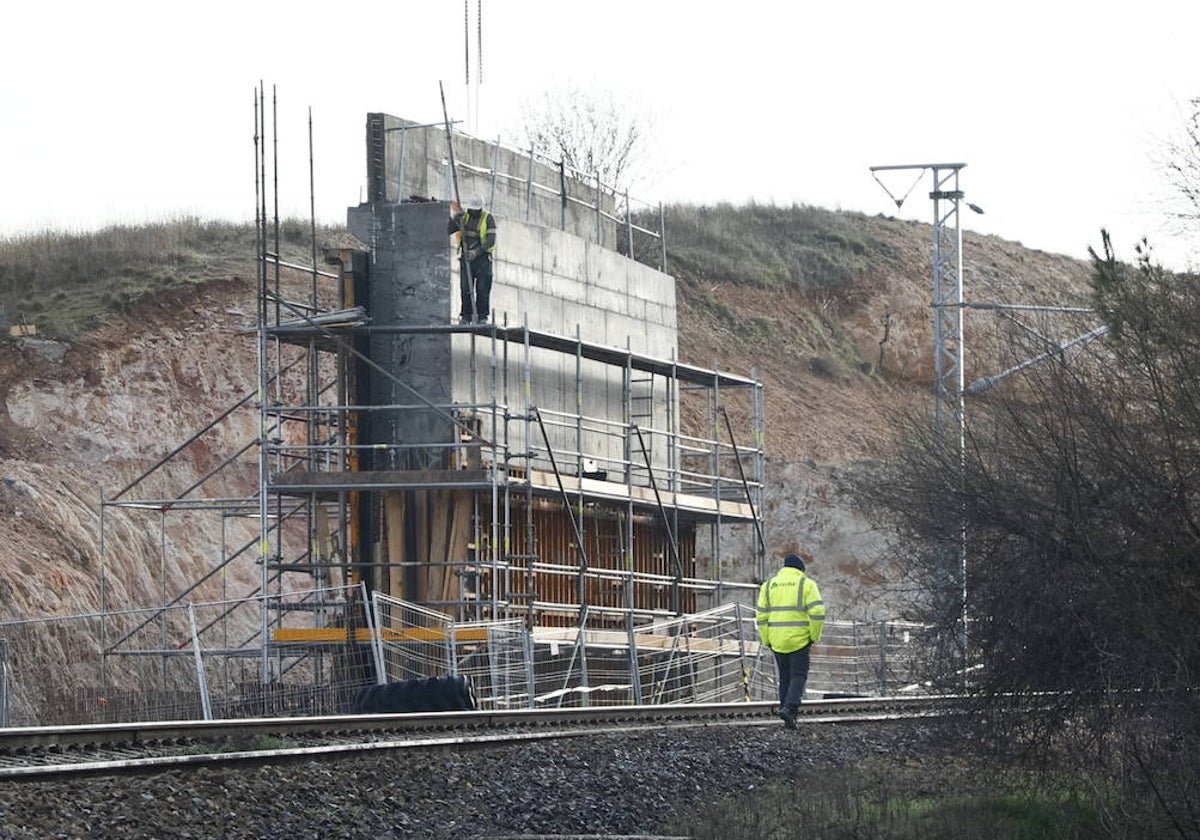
475	202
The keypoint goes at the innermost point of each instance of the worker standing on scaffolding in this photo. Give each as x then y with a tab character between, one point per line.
476	234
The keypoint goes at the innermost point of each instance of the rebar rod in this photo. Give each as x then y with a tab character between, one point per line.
737	457
671	541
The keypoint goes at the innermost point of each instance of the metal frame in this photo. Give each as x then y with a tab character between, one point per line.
306	419
947	298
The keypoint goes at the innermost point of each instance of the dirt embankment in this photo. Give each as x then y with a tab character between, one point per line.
839	368
80	420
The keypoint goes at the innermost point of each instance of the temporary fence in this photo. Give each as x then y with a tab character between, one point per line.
205	660
876	658
186	661
416	642
712	656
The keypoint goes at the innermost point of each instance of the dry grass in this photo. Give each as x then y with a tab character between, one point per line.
798	248
939	800
67	284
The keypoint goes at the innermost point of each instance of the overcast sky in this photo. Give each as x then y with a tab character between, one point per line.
123	112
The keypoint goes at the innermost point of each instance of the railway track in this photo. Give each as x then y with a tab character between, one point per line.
56	752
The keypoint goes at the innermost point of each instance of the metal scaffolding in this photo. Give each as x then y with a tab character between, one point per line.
541	514
519	486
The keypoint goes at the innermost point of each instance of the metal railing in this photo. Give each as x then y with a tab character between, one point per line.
200	660
521	183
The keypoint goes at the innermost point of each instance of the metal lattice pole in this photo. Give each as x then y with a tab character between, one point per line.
949	420
947	304
947	300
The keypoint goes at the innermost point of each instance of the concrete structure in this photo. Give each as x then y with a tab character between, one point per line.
535	466
409	162
547	281
529	483
554	275
523	499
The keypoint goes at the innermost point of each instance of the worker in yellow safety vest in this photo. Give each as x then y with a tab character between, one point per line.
475	231
790	616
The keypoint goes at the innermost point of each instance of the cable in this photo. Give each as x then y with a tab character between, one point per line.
899	201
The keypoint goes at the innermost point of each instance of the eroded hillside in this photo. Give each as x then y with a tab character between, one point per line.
841	360
841	345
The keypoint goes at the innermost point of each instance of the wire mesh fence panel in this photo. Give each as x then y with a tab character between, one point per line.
761	681
323	647
569	668
416	642
698	658
100	668
181	662
317	656
600	672
420	643
4	683
498	665
852	658
836	665
905	650
719	653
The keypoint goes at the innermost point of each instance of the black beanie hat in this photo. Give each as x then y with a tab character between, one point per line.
794	561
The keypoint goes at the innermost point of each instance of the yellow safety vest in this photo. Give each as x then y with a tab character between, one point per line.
790	613
484	217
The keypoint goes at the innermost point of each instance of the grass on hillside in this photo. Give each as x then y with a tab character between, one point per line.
916	803
816	257
798	248
66	284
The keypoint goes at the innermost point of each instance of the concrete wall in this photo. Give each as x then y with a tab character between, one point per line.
409	162
559	281
550	280
408	288
554	282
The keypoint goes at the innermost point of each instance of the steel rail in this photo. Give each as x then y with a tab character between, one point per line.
98	749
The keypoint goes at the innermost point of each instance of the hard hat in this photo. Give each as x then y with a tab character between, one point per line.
475	202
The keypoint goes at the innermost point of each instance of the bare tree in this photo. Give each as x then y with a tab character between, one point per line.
1181	160
1076	506
592	132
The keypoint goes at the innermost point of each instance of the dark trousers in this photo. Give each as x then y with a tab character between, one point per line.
477	300
793	674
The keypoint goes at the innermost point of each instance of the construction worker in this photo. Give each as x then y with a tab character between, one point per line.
790	616
476	234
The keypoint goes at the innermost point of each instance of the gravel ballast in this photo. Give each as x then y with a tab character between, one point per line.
608	784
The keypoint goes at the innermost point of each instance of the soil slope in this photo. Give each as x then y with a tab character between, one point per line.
84	418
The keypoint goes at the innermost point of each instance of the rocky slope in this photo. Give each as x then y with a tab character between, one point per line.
85	418
827	409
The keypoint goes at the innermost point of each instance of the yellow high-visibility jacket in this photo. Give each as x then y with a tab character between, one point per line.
479	227
790	613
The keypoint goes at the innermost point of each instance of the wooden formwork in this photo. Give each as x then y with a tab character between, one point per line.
436	536
610	554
